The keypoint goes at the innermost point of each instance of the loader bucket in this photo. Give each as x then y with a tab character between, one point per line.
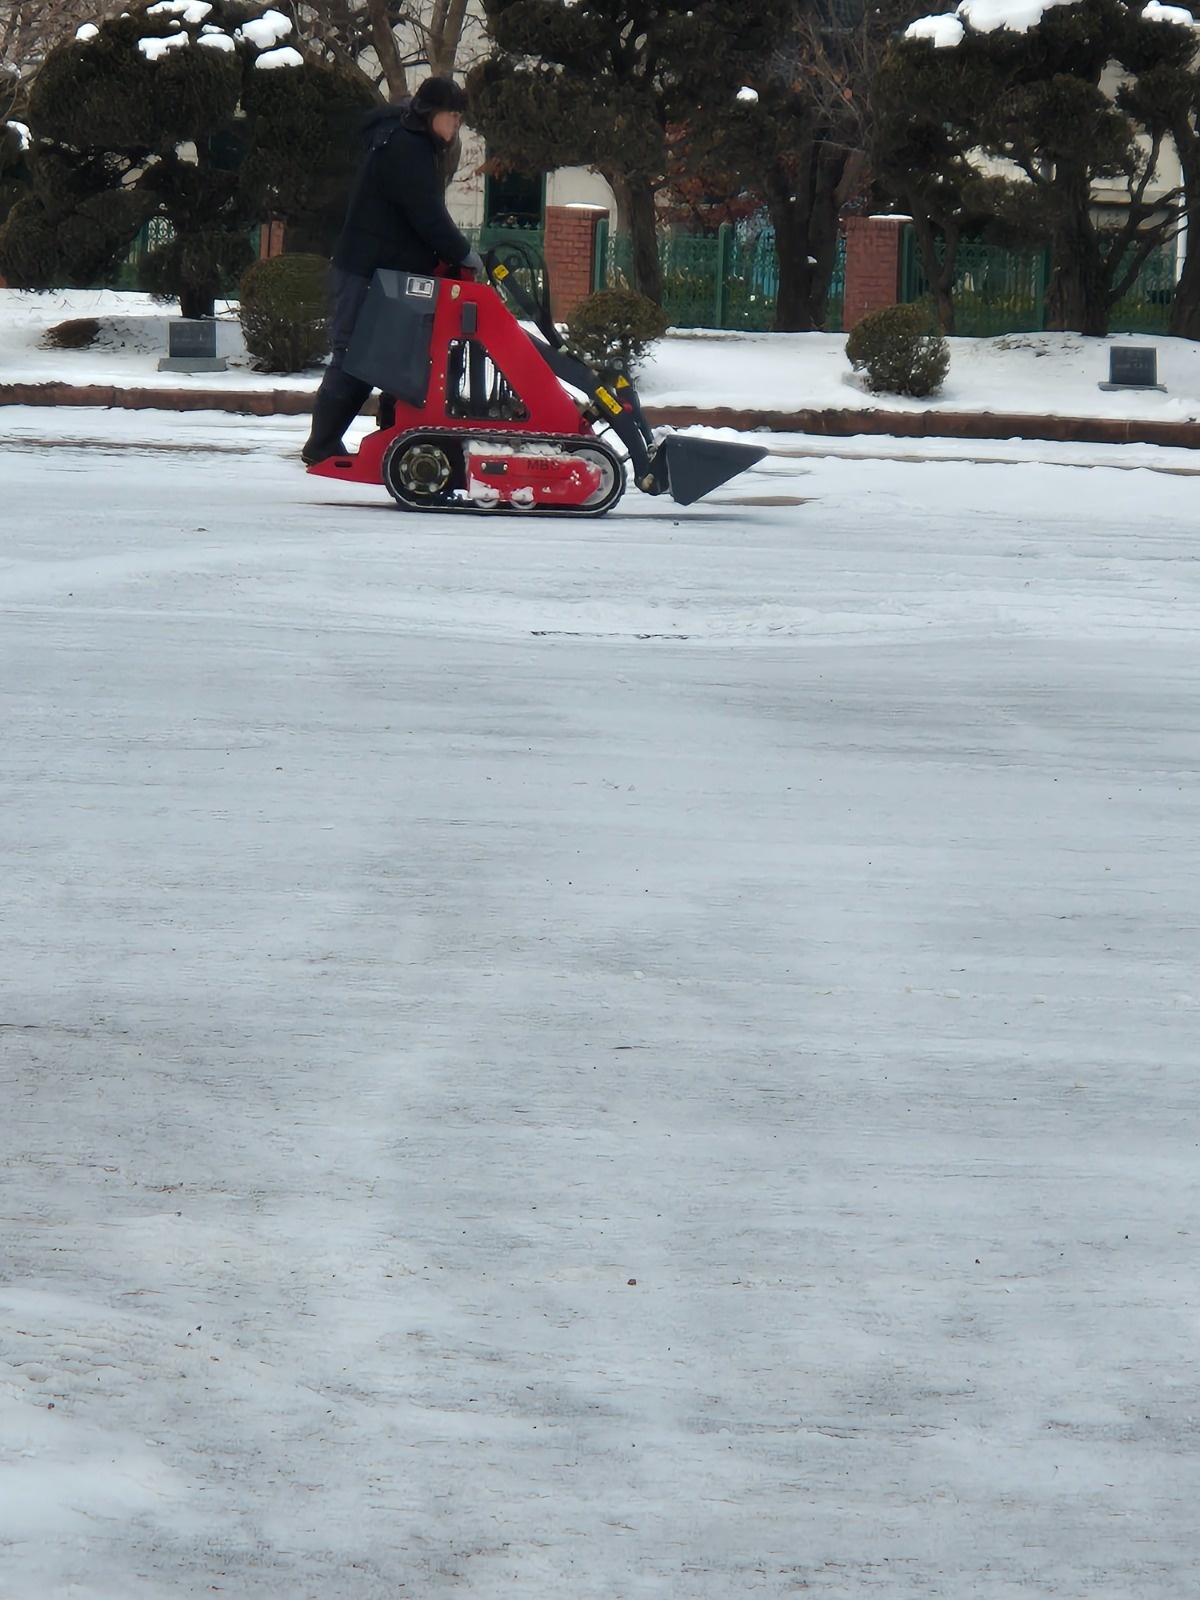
694	466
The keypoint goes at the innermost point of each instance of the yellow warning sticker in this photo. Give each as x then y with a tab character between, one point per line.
499	270
606	399
622	381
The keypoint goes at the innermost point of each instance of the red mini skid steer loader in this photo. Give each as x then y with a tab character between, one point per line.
484	418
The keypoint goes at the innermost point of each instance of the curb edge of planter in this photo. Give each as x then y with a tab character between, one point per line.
828	423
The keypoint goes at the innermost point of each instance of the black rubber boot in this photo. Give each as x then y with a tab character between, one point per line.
338	401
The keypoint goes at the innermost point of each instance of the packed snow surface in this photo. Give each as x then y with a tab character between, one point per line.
1016	16
944	32
154	48
1153	12
191	11
266	30
641	1058
271	60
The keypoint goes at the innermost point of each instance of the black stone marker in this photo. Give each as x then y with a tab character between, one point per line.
192	338
1132	367
192	344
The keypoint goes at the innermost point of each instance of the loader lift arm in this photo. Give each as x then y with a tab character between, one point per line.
684	468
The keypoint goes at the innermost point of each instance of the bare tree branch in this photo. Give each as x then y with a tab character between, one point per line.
445	35
30	30
387	52
390	43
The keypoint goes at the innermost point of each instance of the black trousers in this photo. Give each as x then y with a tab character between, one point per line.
340	397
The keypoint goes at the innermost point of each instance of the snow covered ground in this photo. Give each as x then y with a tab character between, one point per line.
646	1058
1039	373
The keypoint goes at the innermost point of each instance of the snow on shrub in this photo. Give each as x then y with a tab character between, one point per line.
899	351
947	30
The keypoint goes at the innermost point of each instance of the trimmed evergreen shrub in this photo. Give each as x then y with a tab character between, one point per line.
900	351
14	168
80	333
613	329
284	312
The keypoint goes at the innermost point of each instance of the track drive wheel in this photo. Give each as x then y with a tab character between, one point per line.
423	470
612	476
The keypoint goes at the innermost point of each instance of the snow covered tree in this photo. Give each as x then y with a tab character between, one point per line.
794	135
1166	98
198	111
1049	90
597	82
924	128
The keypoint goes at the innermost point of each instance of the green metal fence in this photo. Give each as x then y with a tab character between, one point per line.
1147	306
995	291
1004	291
157	231
731	279
493	236
726	280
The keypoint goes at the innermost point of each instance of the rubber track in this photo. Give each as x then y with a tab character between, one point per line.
463	503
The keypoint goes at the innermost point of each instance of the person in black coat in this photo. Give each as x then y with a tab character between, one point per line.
396	218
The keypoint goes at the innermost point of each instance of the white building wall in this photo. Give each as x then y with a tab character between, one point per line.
464	197
571	186
564	187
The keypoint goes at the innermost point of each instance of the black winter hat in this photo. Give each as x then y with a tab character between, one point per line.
439	94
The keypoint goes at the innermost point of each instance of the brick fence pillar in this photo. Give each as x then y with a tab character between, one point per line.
570	251
872	265
270	240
